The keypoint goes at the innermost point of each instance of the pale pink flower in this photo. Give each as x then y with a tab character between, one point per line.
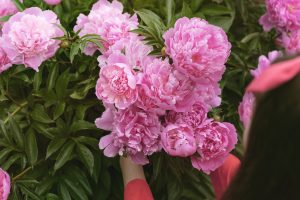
7	7
264	62
136	133
28	37
246	108
282	14
106	121
4	61
197	48
168	88
130	51
208	93
108	21
4	185
290	41
193	118
247	105
178	140
214	143
117	85
52	2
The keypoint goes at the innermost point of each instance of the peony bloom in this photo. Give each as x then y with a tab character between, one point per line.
4	185
7	7
27	37
193	118
178	140
169	89
264	62
290	41
214	143
130	51
106	121
108	21
117	85
136	133
52	2
282	14
4	61
247	105
197	48
246	108
208	93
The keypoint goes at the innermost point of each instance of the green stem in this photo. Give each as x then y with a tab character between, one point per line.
15	111
25	171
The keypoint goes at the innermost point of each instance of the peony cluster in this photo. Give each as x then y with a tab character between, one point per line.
155	103
27	38
247	104
4	185
108	21
284	16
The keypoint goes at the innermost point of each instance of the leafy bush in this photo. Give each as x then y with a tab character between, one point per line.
49	143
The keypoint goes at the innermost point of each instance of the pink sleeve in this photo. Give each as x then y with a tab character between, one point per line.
137	189
222	177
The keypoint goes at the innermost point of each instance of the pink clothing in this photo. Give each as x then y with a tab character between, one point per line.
138	189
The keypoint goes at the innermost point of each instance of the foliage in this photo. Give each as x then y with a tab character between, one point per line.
49	143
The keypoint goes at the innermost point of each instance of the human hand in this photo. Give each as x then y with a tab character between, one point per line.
130	170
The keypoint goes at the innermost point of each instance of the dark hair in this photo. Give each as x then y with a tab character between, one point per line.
270	169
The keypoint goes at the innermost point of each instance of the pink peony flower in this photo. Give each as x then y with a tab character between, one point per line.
4	61
281	14
52	2
4	185
246	108
27	37
7	7
106	121
117	85
208	93
178	140
130	51
107	20
136	133
264	62
198	49
193	118
290	41
214	143
167	88
247	105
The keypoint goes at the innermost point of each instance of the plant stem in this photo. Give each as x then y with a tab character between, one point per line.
25	171
15	111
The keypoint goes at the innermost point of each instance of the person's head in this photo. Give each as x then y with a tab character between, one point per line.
270	168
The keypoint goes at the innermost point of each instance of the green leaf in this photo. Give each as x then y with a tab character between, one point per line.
42	129
64	192
53	72
4	153
12	159
74	50
186	10
82	125
64	155
16	130
39	114
54	146
27	191
86	157
88	140
62	84
59	110
170	7
214	10
31	147
4	132
77	192
5	18
19	5
45	186
51	196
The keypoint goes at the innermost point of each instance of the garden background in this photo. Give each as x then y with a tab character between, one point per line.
49	143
